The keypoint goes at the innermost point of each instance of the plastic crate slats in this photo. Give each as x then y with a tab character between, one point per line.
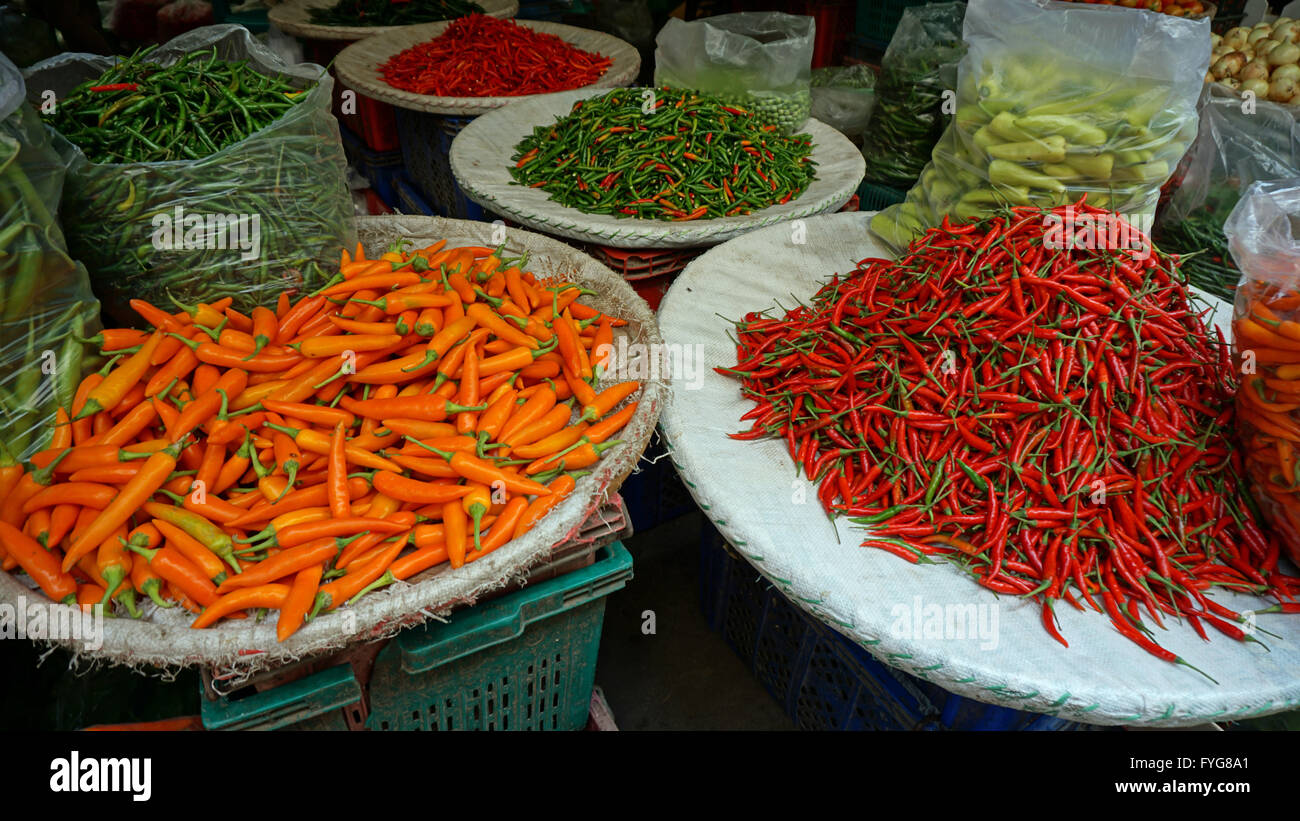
823	679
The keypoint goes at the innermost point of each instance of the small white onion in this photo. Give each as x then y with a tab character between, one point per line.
1282	90
1258	87
1255	70
1290	70
1283	54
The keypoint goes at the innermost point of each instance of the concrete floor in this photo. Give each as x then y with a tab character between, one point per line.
683	677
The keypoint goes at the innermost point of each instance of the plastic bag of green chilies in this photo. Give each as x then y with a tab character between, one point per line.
46	306
256	218
760	61
918	67
1237	143
1054	101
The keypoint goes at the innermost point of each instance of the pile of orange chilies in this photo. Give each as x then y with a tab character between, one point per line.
425	407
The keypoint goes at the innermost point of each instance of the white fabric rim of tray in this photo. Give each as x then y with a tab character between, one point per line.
293	19
164	639
480	161
358	66
747	490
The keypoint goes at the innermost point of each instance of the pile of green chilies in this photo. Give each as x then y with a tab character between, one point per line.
141	111
391	13
1203	251
691	157
1199	241
1056	422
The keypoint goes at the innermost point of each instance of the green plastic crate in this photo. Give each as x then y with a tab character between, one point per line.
876	21
524	661
872	197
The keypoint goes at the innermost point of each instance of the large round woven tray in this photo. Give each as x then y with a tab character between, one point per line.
293	18
480	161
164	639
358	66
772	517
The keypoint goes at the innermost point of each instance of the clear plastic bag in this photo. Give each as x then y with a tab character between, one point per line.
1263	234
919	65
761	61
285	182
46	306
1057	100
1236	144
843	97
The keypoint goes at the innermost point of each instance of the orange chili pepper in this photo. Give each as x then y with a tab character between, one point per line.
302	593
268	595
560	487
411	490
125	502
107	394
37	562
191	548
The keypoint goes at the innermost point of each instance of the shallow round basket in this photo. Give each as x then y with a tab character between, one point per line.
480	161
750	490
164	639
358	66
294	18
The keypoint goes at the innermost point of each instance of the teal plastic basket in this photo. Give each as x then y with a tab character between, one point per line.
876	21
524	661
872	197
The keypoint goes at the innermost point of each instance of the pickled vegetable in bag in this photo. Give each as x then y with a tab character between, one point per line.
1058	100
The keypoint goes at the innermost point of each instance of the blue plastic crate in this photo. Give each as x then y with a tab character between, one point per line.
380	168
655	493
823	679
426	147
409	198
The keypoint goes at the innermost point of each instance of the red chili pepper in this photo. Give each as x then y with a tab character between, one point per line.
1078	432
481	56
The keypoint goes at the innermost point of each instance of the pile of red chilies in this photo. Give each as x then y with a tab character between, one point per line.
1055	422
480	56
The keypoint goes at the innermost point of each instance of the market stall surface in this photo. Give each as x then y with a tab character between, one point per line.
752	493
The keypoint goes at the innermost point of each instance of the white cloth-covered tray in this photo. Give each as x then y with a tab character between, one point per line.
358	66
164	639
294	18
750	491
480	161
